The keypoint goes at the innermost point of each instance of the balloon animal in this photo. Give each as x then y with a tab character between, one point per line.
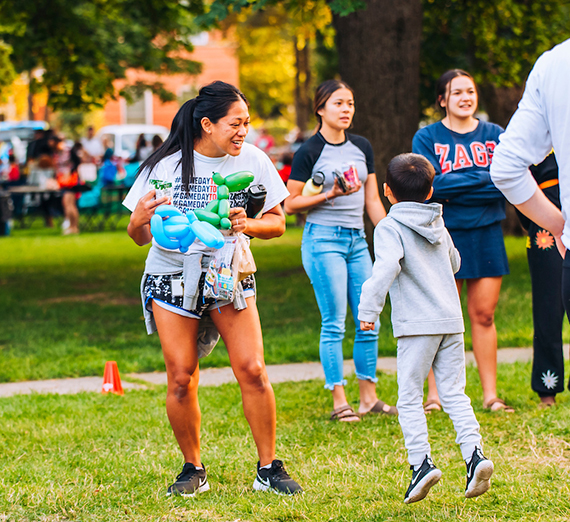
217	211
173	230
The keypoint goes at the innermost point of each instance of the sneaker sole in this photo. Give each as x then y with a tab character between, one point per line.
481	481
423	486
260	486
202	489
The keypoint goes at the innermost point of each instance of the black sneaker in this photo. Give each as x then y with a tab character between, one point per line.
275	479
479	471
422	480
189	482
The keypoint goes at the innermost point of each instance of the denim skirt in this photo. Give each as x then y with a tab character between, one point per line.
482	252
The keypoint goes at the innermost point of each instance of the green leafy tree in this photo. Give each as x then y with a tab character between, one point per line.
378	45
76	49
498	42
7	72
275	52
267	61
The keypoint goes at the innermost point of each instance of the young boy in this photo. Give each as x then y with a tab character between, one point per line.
415	262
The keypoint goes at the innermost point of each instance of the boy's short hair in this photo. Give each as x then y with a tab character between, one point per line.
410	177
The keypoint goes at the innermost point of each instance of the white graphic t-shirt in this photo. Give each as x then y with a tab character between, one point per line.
203	189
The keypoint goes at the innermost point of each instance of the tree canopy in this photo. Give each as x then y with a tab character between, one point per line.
7	72
219	10
76	49
497	42
274	47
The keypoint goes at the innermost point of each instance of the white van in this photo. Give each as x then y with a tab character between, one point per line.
123	138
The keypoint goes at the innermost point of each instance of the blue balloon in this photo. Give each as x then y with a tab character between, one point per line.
157	230
206	232
166	211
173	230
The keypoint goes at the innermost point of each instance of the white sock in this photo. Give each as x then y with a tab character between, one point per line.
268	466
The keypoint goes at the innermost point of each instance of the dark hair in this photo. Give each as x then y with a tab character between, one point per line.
286	158
324	92
410	177
444	80
74	157
156	141
213	102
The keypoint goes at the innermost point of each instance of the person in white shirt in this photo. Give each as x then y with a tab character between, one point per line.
207	136
92	146
540	124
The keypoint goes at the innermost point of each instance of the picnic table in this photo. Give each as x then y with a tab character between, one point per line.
29	199
32	201
109	210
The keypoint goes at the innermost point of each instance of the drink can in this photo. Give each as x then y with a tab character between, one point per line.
350	173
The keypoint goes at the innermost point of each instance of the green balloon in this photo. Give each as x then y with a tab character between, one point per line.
218	178
223	192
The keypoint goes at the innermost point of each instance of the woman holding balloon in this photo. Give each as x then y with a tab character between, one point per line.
207	136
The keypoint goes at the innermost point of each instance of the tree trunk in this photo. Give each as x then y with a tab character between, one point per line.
500	103
31	81
511	225
379	57
302	85
46	109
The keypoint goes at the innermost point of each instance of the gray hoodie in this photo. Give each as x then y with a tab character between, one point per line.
415	262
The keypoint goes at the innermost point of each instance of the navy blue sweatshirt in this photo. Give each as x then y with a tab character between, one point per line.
462	182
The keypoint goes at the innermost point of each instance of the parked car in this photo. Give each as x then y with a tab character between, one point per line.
123	138
15	136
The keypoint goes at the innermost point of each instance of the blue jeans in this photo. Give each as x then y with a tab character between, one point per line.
337	262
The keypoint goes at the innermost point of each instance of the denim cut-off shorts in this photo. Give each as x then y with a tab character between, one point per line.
158	288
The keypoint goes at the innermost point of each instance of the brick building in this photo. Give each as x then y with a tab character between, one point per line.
219	62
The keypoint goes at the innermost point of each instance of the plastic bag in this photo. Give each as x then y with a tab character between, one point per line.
219	282
243	263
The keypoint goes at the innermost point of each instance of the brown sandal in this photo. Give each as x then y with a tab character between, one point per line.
345	414
383	409
501	406
431	405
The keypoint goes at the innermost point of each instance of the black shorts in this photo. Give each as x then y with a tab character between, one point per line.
158	288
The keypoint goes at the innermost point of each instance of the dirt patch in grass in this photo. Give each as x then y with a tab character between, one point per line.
103	298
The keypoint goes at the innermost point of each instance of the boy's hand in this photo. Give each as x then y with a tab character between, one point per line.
366	326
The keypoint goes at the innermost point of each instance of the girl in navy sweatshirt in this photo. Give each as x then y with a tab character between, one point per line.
460	147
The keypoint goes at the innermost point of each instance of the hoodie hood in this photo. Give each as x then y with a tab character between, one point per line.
423	218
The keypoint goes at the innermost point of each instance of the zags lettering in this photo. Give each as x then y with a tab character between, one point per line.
490	149
479	153
442	150
462	160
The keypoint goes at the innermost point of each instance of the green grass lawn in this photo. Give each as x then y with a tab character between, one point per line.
68	304
90	457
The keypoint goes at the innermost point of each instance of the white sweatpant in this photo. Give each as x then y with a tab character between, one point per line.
445	353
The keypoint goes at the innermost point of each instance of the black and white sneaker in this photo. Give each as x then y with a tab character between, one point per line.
275	479
190	481
422	480
479	471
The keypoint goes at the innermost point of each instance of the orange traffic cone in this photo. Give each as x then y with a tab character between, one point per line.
112	379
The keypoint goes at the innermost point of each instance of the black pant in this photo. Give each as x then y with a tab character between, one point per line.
548	303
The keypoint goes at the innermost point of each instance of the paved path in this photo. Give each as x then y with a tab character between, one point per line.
216	376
